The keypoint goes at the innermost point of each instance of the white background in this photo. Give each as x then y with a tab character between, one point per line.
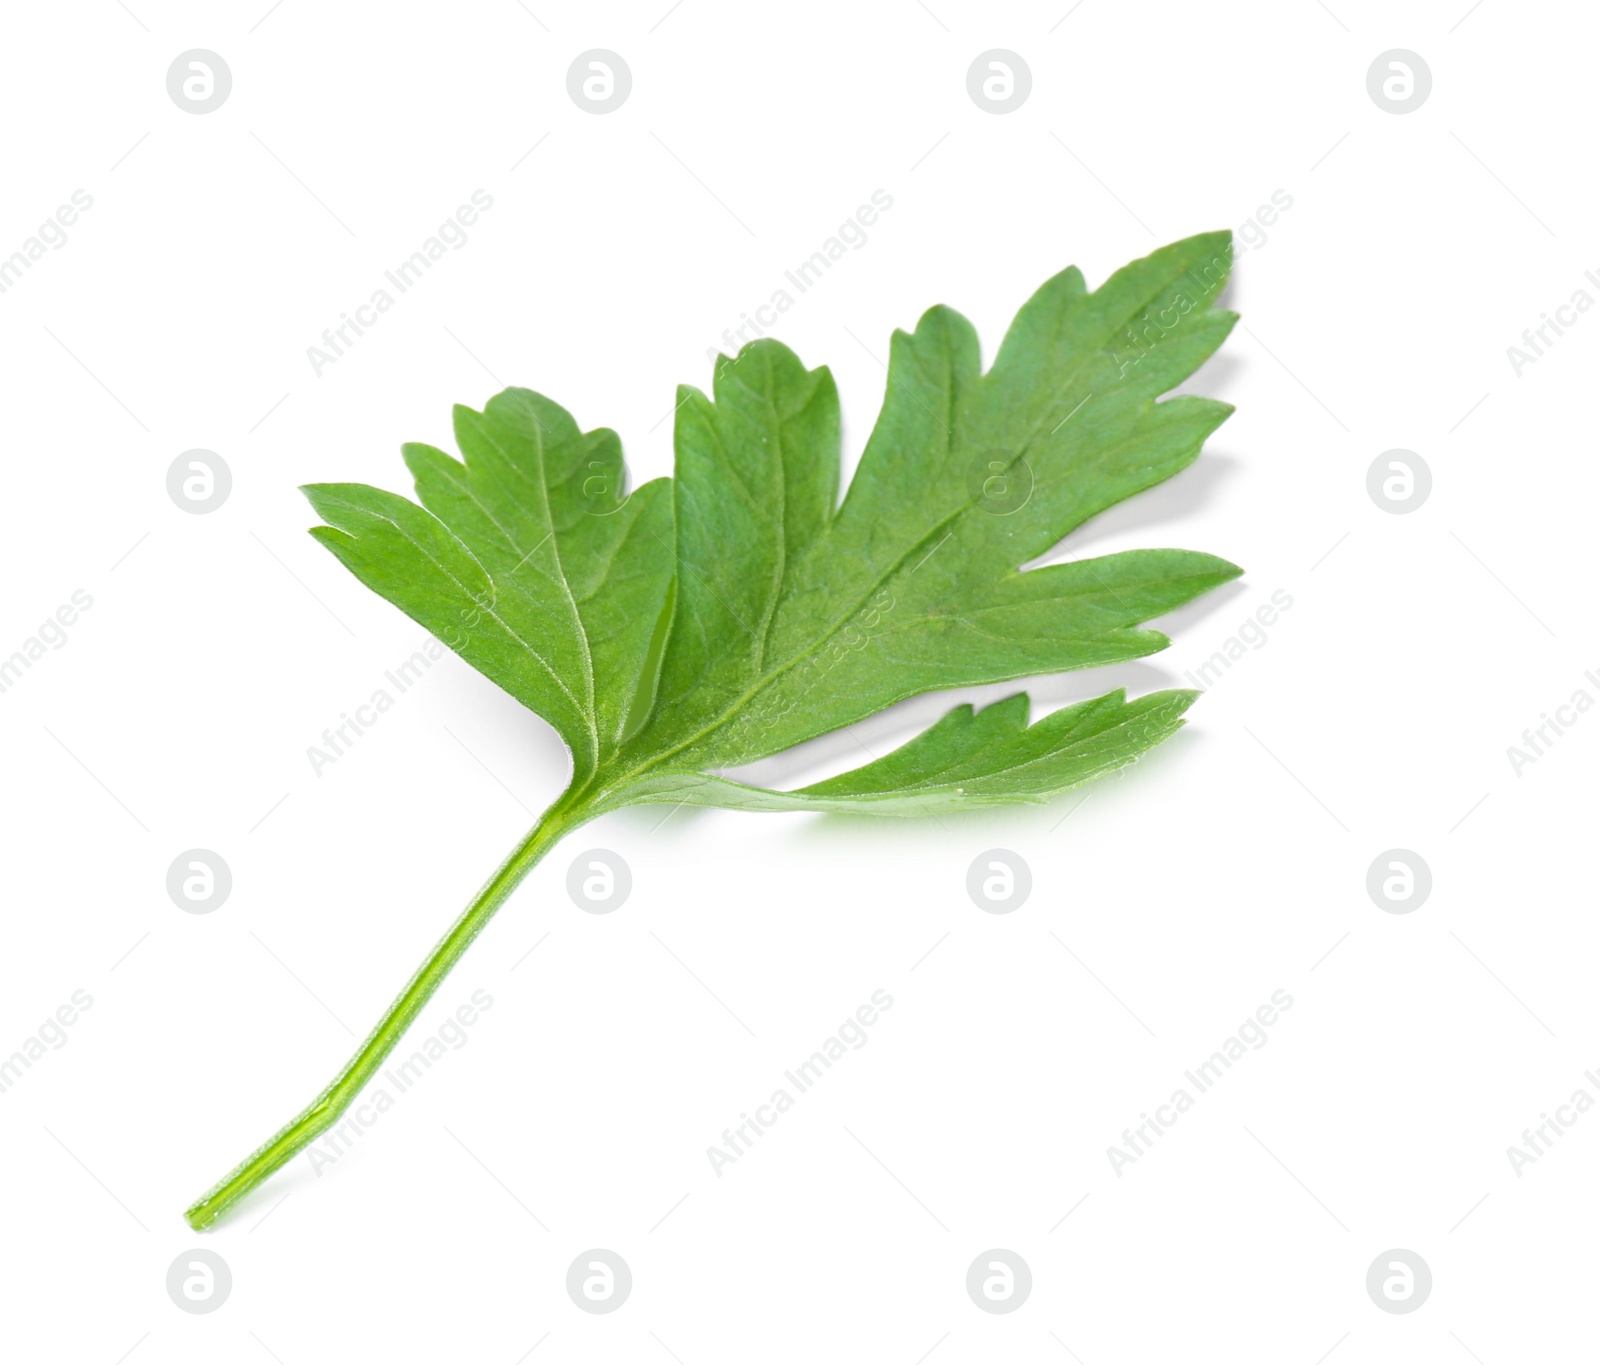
1230	864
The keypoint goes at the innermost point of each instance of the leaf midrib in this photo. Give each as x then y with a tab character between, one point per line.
542	492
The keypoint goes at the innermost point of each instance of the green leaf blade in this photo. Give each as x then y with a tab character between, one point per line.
565	580
739	609
968	760
893	597
756	480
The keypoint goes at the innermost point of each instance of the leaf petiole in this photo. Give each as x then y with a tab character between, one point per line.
328	1107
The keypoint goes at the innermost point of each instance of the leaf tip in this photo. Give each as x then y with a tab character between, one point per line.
314	493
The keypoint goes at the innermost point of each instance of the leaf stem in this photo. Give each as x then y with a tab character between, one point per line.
325	1111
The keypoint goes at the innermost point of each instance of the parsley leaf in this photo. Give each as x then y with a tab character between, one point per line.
740	608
